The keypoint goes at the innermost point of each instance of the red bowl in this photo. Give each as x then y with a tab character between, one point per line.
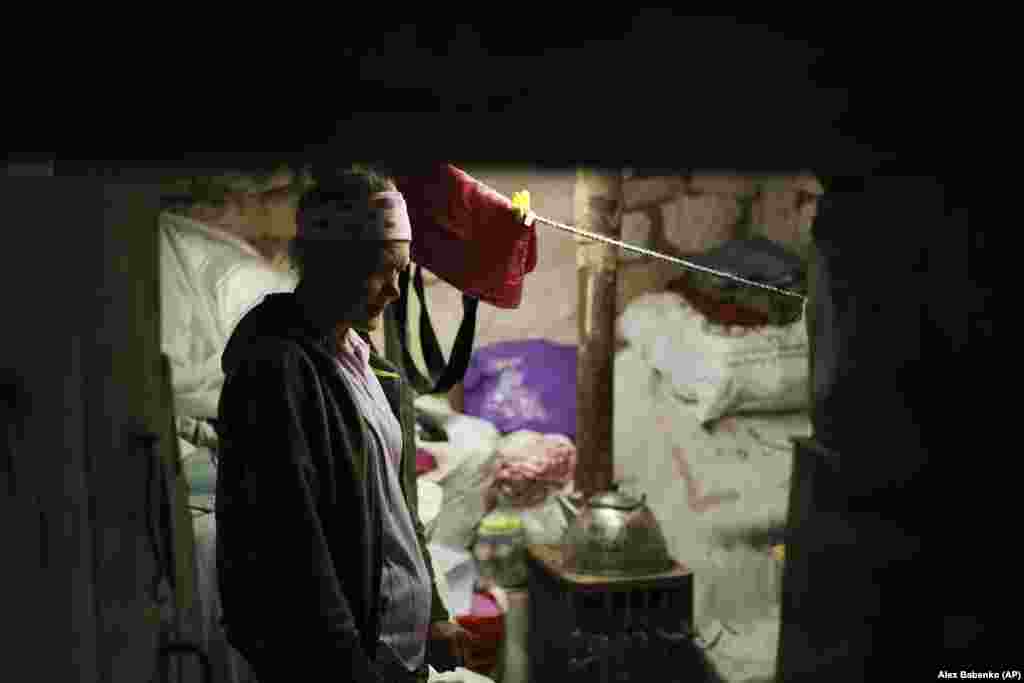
487	622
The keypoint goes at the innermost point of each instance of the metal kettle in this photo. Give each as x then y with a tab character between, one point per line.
613	534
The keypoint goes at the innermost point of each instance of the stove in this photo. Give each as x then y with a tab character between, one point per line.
609	629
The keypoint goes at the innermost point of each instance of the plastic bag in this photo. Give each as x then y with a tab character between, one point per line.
467	493
524	385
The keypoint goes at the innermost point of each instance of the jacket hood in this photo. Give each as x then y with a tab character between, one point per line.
277	316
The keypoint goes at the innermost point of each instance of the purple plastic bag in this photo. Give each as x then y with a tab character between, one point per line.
528	384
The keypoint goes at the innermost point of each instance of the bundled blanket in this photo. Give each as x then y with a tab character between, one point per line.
531	465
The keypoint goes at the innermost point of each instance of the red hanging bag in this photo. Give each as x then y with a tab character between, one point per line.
468	235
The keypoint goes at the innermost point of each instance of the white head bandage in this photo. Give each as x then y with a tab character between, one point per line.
383	216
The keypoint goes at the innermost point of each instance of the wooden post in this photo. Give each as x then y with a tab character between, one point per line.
597	208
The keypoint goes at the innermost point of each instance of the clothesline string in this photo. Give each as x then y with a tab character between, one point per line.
658	255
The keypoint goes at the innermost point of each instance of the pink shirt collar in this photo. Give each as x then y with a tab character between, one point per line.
358	348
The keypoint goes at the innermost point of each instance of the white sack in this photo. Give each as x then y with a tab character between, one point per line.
719	370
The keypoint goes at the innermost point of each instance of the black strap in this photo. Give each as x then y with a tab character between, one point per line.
432	353
442	376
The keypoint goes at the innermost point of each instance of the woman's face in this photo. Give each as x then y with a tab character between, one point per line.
381	286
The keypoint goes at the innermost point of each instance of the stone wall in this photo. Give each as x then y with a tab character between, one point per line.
685	215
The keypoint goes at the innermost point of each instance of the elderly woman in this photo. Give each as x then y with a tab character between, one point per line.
322	560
